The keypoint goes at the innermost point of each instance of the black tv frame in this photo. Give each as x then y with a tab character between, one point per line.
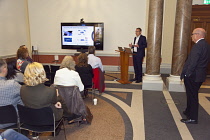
98	42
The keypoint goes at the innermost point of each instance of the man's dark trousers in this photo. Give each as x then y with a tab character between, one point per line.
192	88
137	62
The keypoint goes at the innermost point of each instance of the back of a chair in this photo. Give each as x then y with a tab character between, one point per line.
73	99
98	80
8	114
30	116
53	68
48	74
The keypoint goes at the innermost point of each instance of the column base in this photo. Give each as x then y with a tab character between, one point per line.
152	82
173	83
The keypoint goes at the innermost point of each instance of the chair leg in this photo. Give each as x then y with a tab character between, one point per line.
64	129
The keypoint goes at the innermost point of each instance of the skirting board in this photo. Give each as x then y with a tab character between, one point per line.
164	68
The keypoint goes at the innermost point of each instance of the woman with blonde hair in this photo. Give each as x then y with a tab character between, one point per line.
66	75
35	94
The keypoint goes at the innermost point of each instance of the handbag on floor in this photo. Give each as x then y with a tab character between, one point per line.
89	116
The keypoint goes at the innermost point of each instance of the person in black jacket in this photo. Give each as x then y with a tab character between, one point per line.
85	71
194	74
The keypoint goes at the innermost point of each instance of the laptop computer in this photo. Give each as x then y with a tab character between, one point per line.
120	49
128	50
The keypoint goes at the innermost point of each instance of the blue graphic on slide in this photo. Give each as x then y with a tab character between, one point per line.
67	39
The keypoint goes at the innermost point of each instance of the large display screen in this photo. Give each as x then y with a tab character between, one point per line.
82	35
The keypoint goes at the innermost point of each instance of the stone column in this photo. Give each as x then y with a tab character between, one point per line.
181	39
152	79
154	37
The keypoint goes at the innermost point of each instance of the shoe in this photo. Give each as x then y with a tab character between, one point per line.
138	81
75	118
132	80
35	137
189	121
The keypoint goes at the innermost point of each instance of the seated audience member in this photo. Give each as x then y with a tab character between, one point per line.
85	71
29	59
93	60
22	54
66	75
11	134
97	66
35	94
13	73
9	90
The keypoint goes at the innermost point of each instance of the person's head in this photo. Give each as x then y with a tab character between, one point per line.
34	74
68	62
82	60
91	50
197	34
11	66
22	53
138	31
23	46
3	68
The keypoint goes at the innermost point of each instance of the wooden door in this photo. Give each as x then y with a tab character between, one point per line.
200	19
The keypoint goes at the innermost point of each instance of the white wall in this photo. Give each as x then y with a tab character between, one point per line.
198	2
120	18
13	26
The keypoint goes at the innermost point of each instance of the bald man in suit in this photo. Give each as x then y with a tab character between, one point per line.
194	74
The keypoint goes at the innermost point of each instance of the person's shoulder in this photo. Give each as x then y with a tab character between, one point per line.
51	88
12	82
74	72
201	43
60	70
142	36
98	57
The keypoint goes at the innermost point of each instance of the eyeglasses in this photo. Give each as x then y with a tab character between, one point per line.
194	33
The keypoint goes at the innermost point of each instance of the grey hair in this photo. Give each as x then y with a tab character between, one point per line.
68	62
2	63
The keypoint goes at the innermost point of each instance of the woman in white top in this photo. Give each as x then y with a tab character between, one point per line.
94	61
66	75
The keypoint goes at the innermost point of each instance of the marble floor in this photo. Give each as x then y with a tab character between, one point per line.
156	115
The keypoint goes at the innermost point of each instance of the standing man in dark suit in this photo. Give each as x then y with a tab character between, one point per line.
138	47
194	74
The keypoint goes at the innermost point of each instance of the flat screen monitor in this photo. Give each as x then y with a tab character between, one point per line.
82	35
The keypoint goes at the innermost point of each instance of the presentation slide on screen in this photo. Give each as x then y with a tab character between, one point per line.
77	35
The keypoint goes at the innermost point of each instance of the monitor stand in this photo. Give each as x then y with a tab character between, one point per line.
82	50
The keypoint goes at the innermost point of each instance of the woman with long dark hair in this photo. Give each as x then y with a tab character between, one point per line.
13	72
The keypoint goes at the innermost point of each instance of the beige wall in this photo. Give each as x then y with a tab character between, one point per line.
120	18
13	26
168	30
198	2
